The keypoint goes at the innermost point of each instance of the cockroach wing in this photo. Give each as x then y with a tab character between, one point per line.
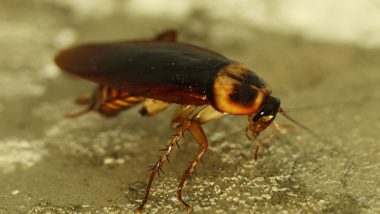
167	71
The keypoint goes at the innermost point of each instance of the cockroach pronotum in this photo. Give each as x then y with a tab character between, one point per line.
159	72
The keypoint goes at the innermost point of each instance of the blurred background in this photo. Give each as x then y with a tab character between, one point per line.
320	57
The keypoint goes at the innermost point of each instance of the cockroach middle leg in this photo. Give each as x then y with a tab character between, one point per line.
200	137
190	118
204	115
181	126
157	166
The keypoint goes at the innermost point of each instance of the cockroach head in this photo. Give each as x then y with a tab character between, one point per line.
265	115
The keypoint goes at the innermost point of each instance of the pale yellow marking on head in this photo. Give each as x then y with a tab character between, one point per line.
224	86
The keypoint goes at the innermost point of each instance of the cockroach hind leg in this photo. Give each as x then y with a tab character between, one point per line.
87	99
80	113
84	99
91	106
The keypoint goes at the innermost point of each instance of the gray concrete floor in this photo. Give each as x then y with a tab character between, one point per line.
50	164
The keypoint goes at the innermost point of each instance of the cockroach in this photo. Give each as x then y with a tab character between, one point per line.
158	72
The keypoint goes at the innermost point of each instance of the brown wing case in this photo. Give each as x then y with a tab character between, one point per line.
167	71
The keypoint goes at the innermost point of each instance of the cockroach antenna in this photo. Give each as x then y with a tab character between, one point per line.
308	130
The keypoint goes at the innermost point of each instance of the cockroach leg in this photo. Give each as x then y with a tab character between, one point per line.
85	99
80	113
204	115
247	133
276	126
199	136
258	145
152	107
272	135
181	114
157	167
207	114
89	101
186	117
269	138
259	142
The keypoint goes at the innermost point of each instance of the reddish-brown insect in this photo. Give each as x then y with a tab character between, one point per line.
159	72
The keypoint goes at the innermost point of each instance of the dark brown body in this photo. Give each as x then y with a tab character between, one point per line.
166	71
159	72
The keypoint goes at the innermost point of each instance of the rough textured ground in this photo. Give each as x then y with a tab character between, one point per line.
95	165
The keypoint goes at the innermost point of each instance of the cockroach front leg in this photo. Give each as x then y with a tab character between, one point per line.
255	138
258	141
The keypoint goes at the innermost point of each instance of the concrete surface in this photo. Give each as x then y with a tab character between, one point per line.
50	164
